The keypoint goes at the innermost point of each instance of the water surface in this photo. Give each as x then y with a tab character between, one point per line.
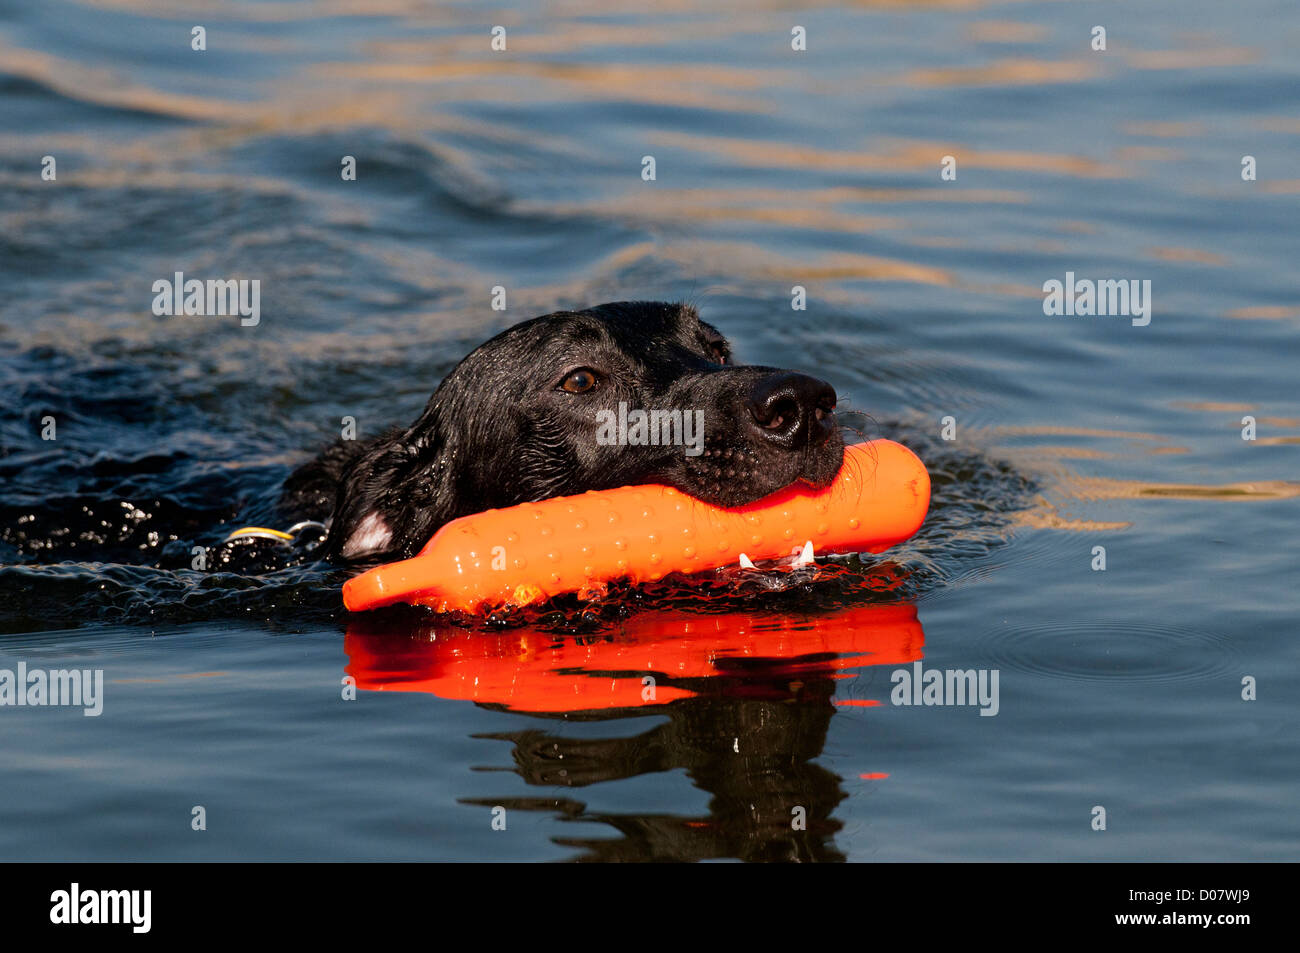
224	688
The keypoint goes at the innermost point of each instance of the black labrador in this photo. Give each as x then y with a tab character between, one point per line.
619	394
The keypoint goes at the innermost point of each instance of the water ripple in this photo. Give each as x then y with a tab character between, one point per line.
1111	651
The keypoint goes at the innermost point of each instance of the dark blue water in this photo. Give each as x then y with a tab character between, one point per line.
224	688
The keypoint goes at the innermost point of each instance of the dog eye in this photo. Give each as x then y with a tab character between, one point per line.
580	381
720	354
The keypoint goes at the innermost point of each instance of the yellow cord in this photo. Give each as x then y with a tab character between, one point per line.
288	536
260	531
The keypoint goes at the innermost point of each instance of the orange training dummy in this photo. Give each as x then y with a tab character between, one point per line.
530	552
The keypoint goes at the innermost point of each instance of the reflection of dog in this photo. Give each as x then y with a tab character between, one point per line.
745	699
517	420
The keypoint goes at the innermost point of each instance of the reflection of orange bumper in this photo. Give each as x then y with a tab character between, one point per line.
534	671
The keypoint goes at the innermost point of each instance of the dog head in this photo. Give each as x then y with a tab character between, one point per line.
620	394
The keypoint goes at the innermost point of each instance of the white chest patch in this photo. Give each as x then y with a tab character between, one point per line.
372	535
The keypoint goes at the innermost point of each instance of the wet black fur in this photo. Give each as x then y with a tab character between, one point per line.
499	430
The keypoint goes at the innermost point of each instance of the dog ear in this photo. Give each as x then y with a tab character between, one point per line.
391	499
408	483
362	524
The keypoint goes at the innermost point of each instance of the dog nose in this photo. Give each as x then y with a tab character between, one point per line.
793	411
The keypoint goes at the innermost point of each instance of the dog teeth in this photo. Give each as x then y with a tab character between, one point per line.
805	558
746	562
